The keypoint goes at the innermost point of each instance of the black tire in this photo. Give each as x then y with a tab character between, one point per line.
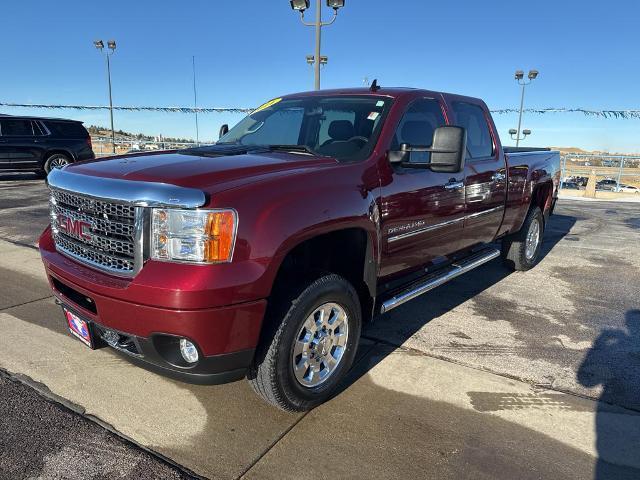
272	373
514	247
57	160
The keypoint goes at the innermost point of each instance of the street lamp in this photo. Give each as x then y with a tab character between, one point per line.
301	5
514	134
111	45
519	76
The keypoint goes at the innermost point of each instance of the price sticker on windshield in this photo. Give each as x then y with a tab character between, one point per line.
264	106
373	115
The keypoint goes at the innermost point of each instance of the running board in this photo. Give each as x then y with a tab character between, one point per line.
452	271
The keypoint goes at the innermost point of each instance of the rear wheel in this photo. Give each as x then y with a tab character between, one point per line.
309	346
57	160
521	251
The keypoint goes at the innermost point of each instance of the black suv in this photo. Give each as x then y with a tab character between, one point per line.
41	144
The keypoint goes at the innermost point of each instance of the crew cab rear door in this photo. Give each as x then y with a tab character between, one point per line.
485	173
422	211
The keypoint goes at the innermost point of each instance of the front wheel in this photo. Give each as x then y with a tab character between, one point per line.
309	346
57	160
521	251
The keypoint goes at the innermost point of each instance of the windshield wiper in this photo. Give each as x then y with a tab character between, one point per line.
292	148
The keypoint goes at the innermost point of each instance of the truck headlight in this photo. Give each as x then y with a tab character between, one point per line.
194	236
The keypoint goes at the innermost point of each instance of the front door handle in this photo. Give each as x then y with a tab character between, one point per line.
453	184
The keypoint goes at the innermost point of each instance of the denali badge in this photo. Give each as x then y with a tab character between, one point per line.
74	228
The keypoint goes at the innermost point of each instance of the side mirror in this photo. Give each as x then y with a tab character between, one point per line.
448	151
223	130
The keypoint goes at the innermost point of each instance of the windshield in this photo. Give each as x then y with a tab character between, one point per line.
342	127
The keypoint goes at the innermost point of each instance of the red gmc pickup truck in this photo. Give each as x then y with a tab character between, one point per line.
263	255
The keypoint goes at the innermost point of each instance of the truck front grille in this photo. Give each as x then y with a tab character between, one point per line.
98	232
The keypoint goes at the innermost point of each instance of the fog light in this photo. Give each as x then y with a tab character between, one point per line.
188	350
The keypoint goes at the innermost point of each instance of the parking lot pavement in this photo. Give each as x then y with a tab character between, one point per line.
40	439
426	409
24	207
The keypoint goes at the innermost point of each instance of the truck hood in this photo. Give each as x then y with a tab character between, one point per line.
209	169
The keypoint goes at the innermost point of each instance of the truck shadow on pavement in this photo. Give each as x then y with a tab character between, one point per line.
613	362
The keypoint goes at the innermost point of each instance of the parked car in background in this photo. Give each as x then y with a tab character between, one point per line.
626	188
262	256
42	144
606	184
570	186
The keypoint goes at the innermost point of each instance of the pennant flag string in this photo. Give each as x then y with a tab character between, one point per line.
624	114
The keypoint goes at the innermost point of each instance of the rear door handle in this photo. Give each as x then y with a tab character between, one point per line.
498	177
454	185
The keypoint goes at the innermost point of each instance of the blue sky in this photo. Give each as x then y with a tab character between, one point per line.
250	51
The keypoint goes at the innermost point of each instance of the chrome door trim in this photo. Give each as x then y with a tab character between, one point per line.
424	229
430	228
484	212
132	192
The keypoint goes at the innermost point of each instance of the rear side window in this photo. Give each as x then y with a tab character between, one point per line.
471	117
38	130
67	129
417	126
16	128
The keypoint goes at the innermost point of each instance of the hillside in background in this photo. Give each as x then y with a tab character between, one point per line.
98	131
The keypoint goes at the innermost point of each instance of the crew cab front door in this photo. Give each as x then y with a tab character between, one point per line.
422	212
485	174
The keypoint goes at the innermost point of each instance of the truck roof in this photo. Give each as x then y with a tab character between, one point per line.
393	92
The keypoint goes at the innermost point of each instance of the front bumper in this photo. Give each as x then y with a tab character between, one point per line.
151	354
226	336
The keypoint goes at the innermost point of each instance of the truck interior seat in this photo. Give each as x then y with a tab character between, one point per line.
340	130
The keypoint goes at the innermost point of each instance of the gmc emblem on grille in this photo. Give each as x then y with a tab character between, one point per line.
74	228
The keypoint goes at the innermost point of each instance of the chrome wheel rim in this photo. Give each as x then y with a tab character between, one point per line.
320	345
58	162
533	240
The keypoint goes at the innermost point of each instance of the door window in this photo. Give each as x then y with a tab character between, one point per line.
15	128
471	117
417	126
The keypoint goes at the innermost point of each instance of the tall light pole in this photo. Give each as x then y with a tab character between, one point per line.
111	45
519	76
301	5
195	99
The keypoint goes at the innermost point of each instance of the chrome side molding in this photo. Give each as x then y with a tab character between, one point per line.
132	192
441	278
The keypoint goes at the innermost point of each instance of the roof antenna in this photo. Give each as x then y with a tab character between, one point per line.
374	86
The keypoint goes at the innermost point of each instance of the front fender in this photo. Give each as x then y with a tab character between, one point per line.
277	216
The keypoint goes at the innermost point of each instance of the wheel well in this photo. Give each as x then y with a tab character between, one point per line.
343	252
542	197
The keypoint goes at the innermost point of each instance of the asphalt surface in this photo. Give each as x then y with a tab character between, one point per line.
42	439
494	375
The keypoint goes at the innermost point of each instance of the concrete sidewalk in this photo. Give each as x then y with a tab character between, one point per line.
404	414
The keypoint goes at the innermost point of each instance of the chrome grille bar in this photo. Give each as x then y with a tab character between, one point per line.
100	233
